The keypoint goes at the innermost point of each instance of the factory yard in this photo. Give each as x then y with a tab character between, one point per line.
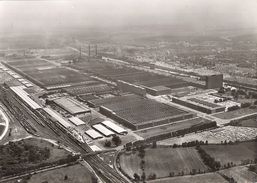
202	178
235	153
236	114
227	133
162	161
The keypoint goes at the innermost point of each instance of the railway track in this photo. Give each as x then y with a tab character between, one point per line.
46	127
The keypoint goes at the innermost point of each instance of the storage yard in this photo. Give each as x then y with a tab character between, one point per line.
216	136
137	113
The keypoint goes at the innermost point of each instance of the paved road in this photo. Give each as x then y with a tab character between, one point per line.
6	124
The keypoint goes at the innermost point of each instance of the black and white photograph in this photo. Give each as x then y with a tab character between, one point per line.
128	91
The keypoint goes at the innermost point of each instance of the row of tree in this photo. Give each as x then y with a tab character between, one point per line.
208	160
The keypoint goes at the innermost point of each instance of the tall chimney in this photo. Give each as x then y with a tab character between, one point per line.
89	52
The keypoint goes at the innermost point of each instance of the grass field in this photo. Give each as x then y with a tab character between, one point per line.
55	152
236	113
76	174
162	161
240	174
248	123
202	178
232	153
18	156
1	129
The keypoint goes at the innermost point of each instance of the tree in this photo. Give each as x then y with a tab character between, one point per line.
66	177
172	174
107	143
143	176
142	164
94	179
116	140
154	144
136	177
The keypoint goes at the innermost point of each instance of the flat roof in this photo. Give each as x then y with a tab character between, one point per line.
16	76
93	134
56	116
114	127
25	96
95	148
72	106
161	87
102	129
76	121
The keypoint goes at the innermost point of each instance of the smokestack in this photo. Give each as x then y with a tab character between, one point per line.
89	52
80	52
95	50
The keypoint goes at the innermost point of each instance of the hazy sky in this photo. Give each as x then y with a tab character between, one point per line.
196	14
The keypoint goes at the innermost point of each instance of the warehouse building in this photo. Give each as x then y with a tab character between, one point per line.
199	105
128	87
57	117
136	112
103	130
72	106
93	134
76	121
115	127
158	90
214	81
19	91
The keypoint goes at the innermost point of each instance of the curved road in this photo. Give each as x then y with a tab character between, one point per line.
4	116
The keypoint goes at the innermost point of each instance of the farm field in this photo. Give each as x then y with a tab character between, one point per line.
162	161
215	136
76	173
236	113
241	174
202	178
170	127
235	153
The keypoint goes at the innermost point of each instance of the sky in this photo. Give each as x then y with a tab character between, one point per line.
46	15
